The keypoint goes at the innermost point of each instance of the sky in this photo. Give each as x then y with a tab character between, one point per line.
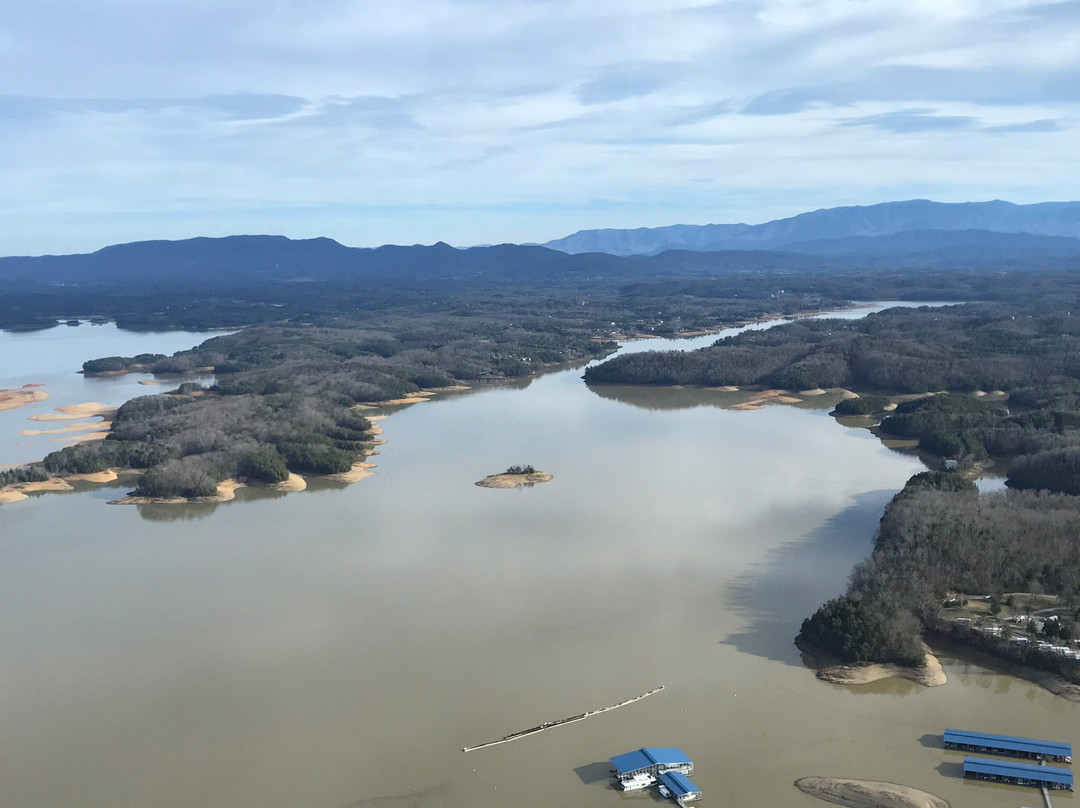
487	121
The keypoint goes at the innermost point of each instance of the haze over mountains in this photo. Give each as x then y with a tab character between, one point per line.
917	234
887	229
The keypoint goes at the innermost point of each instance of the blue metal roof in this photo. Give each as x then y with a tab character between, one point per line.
679	784
1026	745
1009	768
631	762
649	756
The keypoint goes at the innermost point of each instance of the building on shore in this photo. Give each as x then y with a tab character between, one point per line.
1008	746
1021	774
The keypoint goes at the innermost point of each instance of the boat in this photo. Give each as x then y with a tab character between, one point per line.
664	792
637	781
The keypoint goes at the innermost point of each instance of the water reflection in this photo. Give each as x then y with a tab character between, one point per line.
659	399
776	595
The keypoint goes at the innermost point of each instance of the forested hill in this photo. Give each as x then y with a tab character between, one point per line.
803	233
210	264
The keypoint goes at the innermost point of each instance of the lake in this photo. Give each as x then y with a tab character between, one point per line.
339	646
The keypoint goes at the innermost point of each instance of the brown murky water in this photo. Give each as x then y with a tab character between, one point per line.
340	645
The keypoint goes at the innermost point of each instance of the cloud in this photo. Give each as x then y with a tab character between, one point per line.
232	106
374	112
912	120
627	81
1042	125
213	113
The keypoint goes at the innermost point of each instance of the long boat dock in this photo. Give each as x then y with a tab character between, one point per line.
1022	774
1008	746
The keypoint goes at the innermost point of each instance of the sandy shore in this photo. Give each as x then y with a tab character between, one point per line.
106	476
17	492
358	472
412	398
226	491
1045	679
89	426
294	483
929	674
867	793
76	412
87	436
513	480
27	394
763	397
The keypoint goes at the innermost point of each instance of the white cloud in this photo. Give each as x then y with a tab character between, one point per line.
516	119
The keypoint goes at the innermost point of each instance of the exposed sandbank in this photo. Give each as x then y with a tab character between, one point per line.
412	398
89	426
358	472
294	483
20	397
76	412
929	674
513	480
17	492
868	793
763	397
88	436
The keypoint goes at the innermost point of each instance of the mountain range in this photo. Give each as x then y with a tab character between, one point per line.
917	234
890	228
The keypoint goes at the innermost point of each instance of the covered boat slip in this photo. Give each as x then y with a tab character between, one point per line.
1008	745
1023	774
680	787
653	761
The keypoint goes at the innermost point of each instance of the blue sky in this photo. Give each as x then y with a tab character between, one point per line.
479	121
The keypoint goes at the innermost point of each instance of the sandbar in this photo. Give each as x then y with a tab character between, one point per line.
27	394
89	426
929	674
294	482
76	412
17	492
868	793
106	476
358	472
763	397
88	436
513	480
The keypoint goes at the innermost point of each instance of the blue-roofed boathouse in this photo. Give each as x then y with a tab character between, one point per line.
680	787
1021	774
639	769
1008	745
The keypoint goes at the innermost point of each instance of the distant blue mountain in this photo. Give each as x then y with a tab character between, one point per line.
809	232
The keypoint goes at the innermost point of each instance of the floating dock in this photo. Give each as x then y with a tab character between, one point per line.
550	724
1008	746
1021	774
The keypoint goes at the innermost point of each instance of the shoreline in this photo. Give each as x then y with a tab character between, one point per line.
1047	680
828	669
514	480
868	793
12	399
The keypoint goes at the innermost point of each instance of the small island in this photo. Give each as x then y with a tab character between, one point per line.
514	477
867	793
